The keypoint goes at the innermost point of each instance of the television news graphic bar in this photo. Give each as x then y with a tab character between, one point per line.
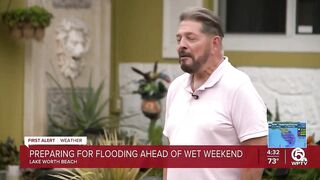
89	156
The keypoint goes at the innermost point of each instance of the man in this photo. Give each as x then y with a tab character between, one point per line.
212	103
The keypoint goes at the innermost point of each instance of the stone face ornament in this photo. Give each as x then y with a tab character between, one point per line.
72	43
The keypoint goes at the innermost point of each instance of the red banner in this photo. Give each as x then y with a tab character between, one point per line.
85	156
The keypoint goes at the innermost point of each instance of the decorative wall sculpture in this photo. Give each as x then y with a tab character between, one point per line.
73	42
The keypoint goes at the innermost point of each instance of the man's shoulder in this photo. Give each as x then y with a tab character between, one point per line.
180	80
178	83
233	77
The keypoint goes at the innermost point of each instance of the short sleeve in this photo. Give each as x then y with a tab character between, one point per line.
248	113
168	102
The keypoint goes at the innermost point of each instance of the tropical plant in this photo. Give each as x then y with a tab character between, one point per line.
155	133
9	154
85	109
276	116
151	86
104	173
151	90
306	174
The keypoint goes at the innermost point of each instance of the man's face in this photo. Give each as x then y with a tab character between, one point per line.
193	46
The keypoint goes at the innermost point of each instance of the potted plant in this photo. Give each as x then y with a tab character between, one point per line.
40	18
152	90
27	22
85	110
9	158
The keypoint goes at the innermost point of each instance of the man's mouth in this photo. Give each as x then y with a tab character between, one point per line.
184	55
183	58
76	58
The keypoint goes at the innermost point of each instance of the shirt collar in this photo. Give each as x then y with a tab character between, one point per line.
214	77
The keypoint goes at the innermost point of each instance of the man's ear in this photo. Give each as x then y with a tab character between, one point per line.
216	43
216	40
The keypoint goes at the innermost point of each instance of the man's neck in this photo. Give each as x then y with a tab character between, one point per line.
199	78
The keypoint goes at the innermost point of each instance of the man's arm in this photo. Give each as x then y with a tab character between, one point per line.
253	173
164	174
164	177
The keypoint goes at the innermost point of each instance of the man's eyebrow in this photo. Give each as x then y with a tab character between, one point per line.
186	33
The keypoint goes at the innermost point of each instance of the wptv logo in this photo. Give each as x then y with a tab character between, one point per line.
298	156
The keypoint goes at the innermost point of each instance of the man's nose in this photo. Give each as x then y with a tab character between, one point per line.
181	44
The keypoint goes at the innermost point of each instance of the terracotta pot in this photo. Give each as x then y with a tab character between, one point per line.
151	108
39	33
16	32
28	30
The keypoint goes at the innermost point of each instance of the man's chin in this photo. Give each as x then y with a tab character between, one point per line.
184	59
186	68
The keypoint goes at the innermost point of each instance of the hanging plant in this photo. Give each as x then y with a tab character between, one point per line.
27	22
151	90
151	85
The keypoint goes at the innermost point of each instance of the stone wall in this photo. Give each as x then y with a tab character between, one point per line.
295	89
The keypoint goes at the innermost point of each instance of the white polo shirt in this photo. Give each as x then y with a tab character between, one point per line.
228	111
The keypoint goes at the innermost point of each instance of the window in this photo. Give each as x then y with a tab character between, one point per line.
171	12
308	17
252	16
270	25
